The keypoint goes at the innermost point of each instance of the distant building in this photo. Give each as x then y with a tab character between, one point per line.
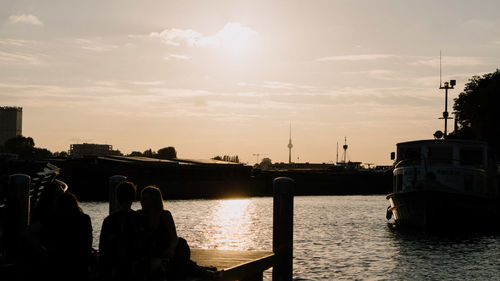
91	149
11	122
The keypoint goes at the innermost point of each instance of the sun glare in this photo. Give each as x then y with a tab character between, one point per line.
232	219
236	39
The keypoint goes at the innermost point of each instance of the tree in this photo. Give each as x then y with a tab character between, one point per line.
61	154
22	146
476	110
149	153
217	158
265	163
135	154
167	153
25	148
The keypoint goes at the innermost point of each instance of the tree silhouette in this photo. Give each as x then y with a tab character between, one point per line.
476	110
135	154
265	163
149	153
167	153
25	148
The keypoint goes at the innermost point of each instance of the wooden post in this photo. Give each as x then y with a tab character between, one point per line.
19	197
113	182
283	228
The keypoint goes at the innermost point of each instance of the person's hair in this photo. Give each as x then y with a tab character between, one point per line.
125	192
153	194
67	203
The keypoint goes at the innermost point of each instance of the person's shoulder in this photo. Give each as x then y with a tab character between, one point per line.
166	213
85	216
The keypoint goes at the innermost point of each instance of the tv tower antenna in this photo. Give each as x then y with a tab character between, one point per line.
337	161
290	145
345	149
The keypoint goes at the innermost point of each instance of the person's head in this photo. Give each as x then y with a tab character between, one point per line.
151	199
125	192
67	203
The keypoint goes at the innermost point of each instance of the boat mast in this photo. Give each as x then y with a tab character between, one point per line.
446	86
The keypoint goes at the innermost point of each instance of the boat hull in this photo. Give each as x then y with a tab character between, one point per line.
434	209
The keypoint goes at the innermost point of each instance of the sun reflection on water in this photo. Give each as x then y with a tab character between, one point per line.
232	221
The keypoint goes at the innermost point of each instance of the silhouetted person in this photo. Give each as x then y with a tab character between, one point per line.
69	241
119	243
160	233
33	250
167	255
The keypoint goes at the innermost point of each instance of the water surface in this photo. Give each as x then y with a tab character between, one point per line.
335	238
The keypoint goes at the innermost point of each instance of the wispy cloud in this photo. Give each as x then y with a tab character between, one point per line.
179	57
24	18
7	57
16	42
382	74
232	33
147	83
363	57
93	45
452	61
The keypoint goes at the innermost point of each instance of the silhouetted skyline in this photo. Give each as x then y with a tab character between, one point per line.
226	77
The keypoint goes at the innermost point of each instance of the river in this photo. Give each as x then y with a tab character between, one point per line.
335	238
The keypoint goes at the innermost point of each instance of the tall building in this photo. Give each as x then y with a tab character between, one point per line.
11	122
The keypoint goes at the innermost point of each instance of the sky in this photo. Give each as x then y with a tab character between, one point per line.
230	77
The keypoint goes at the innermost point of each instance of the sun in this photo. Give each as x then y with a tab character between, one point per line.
236	39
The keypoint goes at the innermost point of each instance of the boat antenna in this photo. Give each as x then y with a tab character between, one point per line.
446	86
440	82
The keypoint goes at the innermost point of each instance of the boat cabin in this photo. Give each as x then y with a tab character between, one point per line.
453	165
452	152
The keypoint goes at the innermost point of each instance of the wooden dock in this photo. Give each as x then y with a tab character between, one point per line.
235	265
230	264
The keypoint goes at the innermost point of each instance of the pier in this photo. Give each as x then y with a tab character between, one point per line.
249	265
230	264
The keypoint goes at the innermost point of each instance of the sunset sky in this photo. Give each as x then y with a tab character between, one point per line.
228	77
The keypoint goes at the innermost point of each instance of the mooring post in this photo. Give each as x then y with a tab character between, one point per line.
283	228
113	182
19	199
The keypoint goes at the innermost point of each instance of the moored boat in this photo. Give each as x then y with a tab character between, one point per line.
443	182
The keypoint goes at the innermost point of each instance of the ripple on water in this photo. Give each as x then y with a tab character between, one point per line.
335	238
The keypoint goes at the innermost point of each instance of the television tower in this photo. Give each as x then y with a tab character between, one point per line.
290	145
345	146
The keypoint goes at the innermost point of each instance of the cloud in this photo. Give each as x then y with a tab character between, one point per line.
453	61
232	35
18	58
24	18
364	57
92	45
179	57
176	37
16	42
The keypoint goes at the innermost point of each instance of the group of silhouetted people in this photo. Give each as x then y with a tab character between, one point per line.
133	245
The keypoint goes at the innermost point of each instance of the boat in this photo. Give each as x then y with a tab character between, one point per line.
444	182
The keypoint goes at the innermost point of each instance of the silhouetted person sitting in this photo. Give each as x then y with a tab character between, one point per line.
33	250
119	243
69	240
160	233
167	255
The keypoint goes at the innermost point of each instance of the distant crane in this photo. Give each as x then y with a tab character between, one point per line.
258	154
